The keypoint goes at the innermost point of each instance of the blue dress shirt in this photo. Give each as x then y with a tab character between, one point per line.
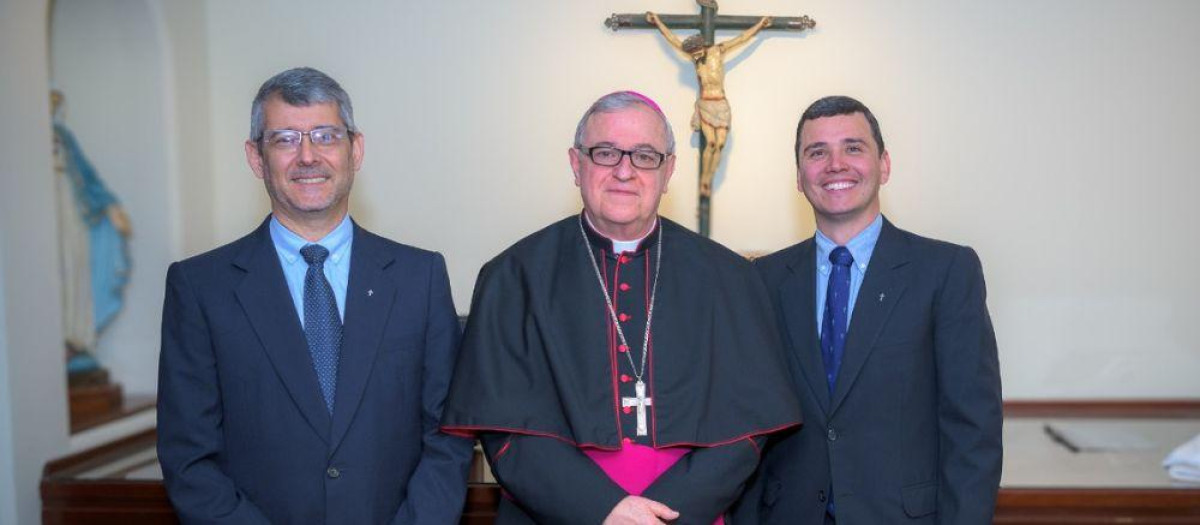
861	247
337	266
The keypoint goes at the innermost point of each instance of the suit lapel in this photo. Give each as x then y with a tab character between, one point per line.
798	302
880	291
264	296
370	296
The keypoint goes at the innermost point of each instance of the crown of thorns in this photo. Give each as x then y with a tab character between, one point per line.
693	43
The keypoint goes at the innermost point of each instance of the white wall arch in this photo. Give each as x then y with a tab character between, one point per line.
111	59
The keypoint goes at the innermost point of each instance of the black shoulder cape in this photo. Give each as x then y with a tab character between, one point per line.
534	358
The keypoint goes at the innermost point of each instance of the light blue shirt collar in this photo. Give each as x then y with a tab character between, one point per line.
861	247
288	243
336	269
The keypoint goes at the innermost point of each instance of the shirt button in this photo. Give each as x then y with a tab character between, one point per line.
624	287
624	378
623	348
623	318
832	434
333	472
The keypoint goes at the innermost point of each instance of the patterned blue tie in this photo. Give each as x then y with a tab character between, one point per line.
835	320
322	324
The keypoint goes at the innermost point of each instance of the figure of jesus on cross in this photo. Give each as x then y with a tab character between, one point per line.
712	116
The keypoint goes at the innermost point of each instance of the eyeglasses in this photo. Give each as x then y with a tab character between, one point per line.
646	159
289	139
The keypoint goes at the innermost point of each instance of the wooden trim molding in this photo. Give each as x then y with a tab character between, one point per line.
1098	506
70	466
1104	408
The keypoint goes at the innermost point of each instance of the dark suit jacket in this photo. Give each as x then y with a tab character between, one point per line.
911	433
244	435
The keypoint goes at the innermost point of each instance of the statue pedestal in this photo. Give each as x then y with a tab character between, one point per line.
93	399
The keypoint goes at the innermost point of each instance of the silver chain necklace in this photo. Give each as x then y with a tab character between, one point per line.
640	401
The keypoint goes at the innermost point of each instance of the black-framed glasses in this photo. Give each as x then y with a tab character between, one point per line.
646	159
289	139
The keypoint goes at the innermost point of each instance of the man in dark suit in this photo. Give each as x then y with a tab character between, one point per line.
304	366
891	349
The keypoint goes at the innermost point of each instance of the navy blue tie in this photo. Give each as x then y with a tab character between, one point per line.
835	320
322	324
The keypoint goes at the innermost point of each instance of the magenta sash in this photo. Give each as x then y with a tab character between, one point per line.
635	467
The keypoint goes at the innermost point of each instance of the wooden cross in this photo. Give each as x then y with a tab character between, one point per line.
641	402
713	123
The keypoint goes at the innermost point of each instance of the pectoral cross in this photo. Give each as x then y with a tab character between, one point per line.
708	56
641	402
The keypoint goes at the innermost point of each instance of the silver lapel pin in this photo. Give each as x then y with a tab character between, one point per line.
881	298
372	292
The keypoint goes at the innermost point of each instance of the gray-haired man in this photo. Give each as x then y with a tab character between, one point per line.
304	366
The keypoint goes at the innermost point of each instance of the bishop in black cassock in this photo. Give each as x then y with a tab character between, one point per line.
656	397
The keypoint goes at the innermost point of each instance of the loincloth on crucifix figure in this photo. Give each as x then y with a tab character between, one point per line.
713	112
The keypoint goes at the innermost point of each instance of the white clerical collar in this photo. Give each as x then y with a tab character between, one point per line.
623	246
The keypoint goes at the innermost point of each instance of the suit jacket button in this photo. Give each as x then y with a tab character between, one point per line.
832	435
821	496
333	472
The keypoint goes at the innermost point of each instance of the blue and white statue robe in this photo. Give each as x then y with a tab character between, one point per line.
95	254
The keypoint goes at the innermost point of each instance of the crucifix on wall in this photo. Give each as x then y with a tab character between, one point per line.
712	115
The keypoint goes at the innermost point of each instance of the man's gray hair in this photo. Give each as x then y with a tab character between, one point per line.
302	86
618	101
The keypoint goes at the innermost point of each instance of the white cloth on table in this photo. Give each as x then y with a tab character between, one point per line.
1183	463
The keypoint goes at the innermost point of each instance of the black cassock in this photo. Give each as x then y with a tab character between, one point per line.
542	372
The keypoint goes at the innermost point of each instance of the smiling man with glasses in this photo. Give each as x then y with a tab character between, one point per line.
617	367
304	366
